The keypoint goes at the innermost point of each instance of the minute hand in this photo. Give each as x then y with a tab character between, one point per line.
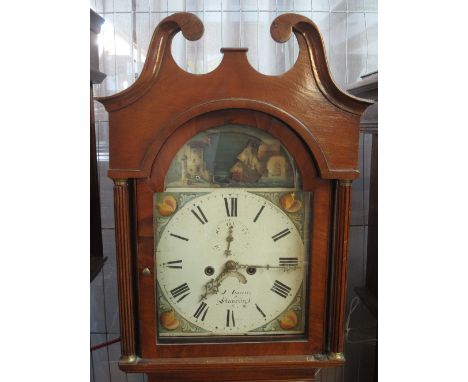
267	266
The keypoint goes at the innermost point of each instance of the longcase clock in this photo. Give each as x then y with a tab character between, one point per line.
232	196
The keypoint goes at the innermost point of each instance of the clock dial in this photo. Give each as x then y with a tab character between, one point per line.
230	262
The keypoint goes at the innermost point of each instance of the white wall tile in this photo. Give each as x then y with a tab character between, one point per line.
158	5
285	5
267	5
212	5
338	47
302	5
213	43
231	5
338	5
321	5
356	47
249	5
231	30
176	6
122	5
107	6
249	38
371	5
372	45
123	59
322	20
355	5
142	5
178	50
142	39
195	52
266	45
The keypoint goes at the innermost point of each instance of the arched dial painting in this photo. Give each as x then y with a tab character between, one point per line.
231	239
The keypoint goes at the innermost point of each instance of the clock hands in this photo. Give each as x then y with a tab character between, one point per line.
267	266
229	240
229	270
211	287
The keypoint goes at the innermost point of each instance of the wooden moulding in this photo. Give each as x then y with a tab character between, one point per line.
124	270
165	97
233	368
340	268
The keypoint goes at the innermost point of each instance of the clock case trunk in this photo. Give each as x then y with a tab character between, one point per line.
310	116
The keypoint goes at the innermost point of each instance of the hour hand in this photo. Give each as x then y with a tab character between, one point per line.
230	270
211	287
229	240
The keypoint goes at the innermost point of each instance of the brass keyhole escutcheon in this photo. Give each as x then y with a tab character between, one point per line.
146	272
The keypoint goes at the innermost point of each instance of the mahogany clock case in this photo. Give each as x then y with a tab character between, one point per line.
302	108
320	230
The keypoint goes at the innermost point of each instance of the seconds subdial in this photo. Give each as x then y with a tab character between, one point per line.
231	237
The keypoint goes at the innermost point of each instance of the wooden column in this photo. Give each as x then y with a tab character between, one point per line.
340	268
124	270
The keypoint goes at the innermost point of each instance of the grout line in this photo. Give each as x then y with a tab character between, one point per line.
92	367
258	23
186	43
294	39
134	42
222	41
363	173
346	47
204	40
240	27
367	42
115	50
105	316
277	46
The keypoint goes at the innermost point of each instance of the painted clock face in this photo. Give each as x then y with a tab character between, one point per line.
230	262
231	238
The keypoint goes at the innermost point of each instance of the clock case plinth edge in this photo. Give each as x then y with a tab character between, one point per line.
268	364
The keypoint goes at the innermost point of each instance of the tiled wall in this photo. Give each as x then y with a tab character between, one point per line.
349	29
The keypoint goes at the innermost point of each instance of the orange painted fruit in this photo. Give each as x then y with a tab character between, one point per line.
289	320
168	320
167	206
289	203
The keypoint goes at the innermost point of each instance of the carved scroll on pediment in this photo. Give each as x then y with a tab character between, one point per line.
311	58
312	48
304	98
